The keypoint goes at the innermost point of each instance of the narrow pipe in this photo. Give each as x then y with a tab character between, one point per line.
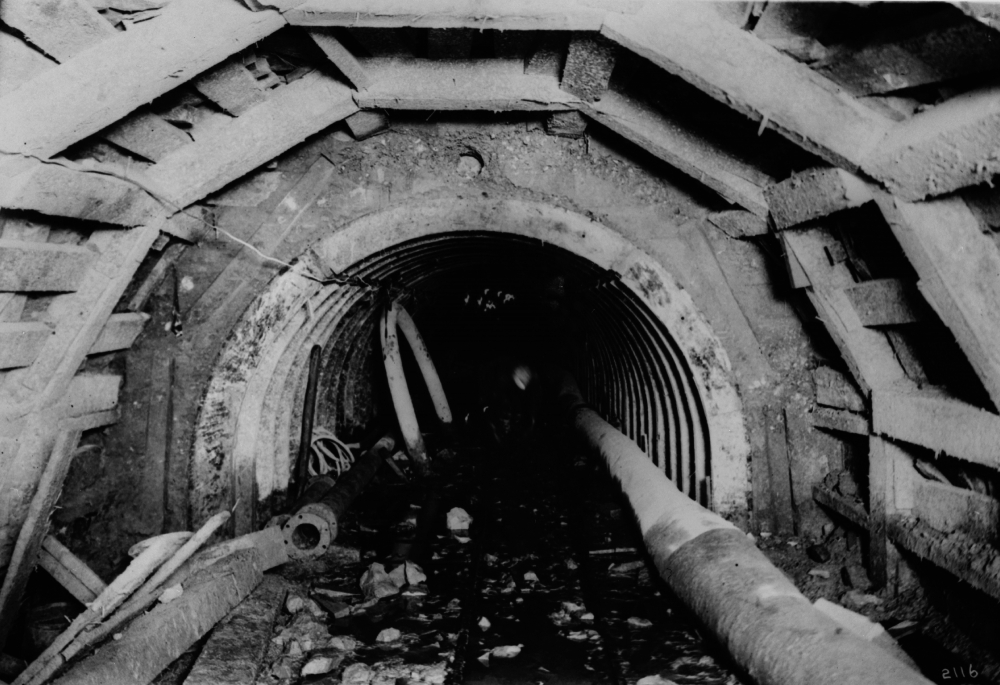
423	357
308	415
400	391
750	606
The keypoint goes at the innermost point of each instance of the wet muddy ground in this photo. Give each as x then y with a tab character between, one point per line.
548	585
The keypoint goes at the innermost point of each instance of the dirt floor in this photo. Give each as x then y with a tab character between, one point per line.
548	585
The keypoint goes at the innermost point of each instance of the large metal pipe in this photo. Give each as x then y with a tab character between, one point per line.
314	526
751	607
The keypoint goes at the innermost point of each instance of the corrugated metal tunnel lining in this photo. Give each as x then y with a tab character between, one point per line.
628	363
644	355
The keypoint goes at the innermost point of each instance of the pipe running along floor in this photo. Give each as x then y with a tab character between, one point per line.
549	585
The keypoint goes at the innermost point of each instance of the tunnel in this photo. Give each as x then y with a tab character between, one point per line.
695	307
485	281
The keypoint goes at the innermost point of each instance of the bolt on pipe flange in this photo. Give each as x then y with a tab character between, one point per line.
308	534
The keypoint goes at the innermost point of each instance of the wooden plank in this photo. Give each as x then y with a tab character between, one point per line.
69	571
71	190
42	267
20	63
692	41
146	134
20	342
931	418
231	86
66	104
946	508
98	419
867	352
975	562
191	225
366	124
236	648
341	57
290	115
34	528
152	641
833	389
61	28
504	15
887	302
850	509
119	332
480	84
840	420
737	223
944	148
814	193
32	391
881	506
734	179
590	60
159	440
958	267
90	393
775	440
939	47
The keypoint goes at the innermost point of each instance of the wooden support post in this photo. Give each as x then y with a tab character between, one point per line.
890	490
479	84
159	441
70	572
236	648
589	63
780	480
340	57
732	177
34	529
152	641
917	159
814	193
693	41
507	15
958	267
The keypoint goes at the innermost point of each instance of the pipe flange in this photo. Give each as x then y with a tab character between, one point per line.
307	535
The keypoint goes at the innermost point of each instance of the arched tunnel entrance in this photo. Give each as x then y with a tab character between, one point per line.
485	281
